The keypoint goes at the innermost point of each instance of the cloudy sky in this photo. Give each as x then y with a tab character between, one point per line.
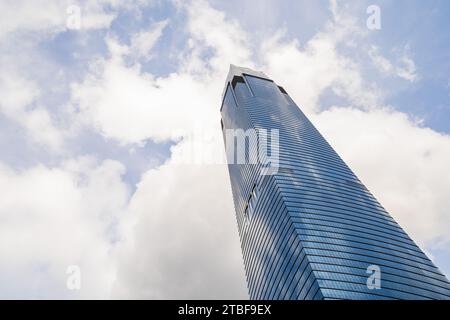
109	115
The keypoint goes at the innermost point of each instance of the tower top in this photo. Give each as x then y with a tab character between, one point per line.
240	71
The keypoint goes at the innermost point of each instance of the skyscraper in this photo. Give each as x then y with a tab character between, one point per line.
309	228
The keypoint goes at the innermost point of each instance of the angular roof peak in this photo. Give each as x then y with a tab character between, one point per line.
240	71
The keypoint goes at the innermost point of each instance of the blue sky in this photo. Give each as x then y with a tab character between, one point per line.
104	113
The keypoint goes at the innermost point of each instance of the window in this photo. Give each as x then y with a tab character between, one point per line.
237	80
252	200
228	100
282	90
285	95
265	89
250	206
241	90
246	218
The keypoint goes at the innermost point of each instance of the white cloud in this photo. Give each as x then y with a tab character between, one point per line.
53	217
408	71
211	29
405	70
381	62
27	15
183	241
22	26
51	16
307	70
18	103
143	42
130	106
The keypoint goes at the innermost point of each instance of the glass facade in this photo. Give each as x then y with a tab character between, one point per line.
312	230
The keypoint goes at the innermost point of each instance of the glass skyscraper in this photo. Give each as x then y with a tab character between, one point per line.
309	229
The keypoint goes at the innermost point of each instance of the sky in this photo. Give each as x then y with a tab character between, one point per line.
109	123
